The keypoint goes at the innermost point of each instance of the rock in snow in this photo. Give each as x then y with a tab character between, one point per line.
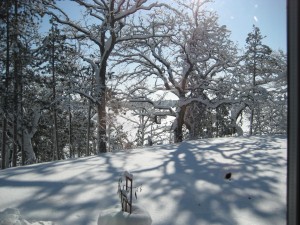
12	216
115	216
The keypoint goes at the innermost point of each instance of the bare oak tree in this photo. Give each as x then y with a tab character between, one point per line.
107	24
189	60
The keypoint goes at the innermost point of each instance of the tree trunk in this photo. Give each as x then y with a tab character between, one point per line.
88	151
22	140
70	130
4	130
178	135
253	98
15	124
235	113
16	86
55	134
29	154
28	149
101	134
101	107
142	126
25	139
251	121
253	92
88	130
22	119
5	114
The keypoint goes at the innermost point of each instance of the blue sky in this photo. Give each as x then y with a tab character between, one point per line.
239	16
268	15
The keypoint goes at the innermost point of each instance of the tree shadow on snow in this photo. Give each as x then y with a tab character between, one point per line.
181	184
190	183
66	192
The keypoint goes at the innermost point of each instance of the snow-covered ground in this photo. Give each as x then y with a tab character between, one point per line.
181	184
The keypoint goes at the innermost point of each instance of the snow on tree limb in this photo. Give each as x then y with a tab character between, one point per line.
156	106
209	103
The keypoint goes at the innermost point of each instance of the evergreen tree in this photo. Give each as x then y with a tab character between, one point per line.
260	69
19	23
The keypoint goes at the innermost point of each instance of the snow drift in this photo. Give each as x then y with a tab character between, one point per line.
11	216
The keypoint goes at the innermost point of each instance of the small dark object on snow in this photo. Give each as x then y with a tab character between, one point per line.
228	176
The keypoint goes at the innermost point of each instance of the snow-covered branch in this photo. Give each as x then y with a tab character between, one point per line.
209	103
86	95
156	106
84	33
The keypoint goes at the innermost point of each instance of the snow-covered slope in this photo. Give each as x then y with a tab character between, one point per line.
181	184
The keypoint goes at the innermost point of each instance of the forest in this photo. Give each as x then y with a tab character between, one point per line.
129	73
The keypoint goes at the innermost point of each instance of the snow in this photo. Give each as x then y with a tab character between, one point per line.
12	216
163	94
114	216
181	184
127	174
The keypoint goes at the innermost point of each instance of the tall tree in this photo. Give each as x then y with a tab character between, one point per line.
260	68
109	20
197	49
256	56
20	18
5	7
57	60
16	69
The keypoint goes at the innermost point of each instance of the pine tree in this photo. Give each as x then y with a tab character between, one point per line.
261	69
20	19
